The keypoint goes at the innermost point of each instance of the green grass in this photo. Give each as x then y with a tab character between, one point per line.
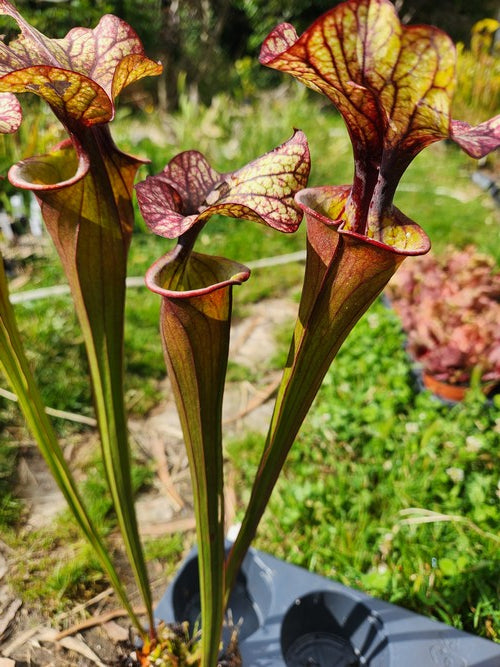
371	448
10	506
56	568
438	193
53	567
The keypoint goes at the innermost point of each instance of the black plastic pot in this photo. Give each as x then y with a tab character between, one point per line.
290	617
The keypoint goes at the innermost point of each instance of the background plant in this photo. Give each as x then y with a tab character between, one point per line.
205	38
478	72
449	308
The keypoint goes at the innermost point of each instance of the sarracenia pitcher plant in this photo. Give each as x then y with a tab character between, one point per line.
84	187
393	85
196	291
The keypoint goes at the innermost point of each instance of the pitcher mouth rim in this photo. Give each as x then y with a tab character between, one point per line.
240	275
343	190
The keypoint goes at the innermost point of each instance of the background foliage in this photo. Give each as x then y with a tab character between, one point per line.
205	38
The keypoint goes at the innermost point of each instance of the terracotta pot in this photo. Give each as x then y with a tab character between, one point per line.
449	392
455	392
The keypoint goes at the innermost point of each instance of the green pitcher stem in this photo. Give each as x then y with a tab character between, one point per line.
197	376
355	275
101	313
90	222
17	371
195	318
